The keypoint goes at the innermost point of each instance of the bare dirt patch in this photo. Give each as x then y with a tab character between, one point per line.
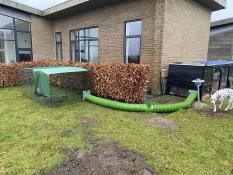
209	113
162	122
68	133
167	99
106	158
87	121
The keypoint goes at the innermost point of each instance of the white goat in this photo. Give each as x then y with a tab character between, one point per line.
221	96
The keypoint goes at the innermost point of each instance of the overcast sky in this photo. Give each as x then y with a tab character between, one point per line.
40	4
44	4
222	14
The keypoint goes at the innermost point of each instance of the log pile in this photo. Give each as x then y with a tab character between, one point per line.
122	82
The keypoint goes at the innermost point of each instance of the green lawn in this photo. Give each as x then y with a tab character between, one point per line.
33	137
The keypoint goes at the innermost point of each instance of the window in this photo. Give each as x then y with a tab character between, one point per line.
58	37
24	40
84	45
22	25
7	40
15	40
133	41
6	22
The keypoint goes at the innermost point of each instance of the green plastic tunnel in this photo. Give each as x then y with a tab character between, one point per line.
160	108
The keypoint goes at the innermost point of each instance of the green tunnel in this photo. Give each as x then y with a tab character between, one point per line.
160	108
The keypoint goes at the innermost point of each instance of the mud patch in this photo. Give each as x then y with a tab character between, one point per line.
68	133
87	121
209	113
106	158
167	99
161	122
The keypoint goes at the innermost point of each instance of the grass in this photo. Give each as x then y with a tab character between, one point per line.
33	137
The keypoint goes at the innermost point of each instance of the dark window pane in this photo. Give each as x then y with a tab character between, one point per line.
224	78
231	72
6	22
77	52
24	40
133	50
6	34
93	51
72	52
133	28
58	38
22	25
25	55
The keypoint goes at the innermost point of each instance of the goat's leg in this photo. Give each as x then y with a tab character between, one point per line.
221	103
228	107
215	107
231	104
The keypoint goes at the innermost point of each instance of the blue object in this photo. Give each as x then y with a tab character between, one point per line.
217	62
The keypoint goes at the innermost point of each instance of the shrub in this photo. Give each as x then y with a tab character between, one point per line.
122	82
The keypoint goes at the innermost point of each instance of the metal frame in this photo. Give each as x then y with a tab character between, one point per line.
77	43
17	49
58	42
132	36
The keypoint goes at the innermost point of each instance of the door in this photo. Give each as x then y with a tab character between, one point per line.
24	46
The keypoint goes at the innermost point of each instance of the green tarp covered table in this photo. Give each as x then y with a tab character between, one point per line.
41	77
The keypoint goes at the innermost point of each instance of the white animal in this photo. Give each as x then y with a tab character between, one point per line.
221	96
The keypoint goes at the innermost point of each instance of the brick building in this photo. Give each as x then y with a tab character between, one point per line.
154	32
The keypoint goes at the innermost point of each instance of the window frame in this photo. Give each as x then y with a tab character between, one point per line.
77	43
17	49
30	26
130	37
56	43
13	22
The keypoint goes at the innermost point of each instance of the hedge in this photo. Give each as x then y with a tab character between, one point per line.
122	82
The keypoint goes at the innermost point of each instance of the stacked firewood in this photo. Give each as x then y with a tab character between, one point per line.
122	82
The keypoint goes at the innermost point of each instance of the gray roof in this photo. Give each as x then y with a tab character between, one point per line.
21	7
222	22
77	6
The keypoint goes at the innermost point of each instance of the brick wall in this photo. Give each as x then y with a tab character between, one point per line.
110	20
186	32
172	31
42	38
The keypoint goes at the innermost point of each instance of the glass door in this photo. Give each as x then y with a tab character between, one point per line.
24	40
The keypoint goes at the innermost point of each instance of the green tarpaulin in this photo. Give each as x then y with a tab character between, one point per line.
41	77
